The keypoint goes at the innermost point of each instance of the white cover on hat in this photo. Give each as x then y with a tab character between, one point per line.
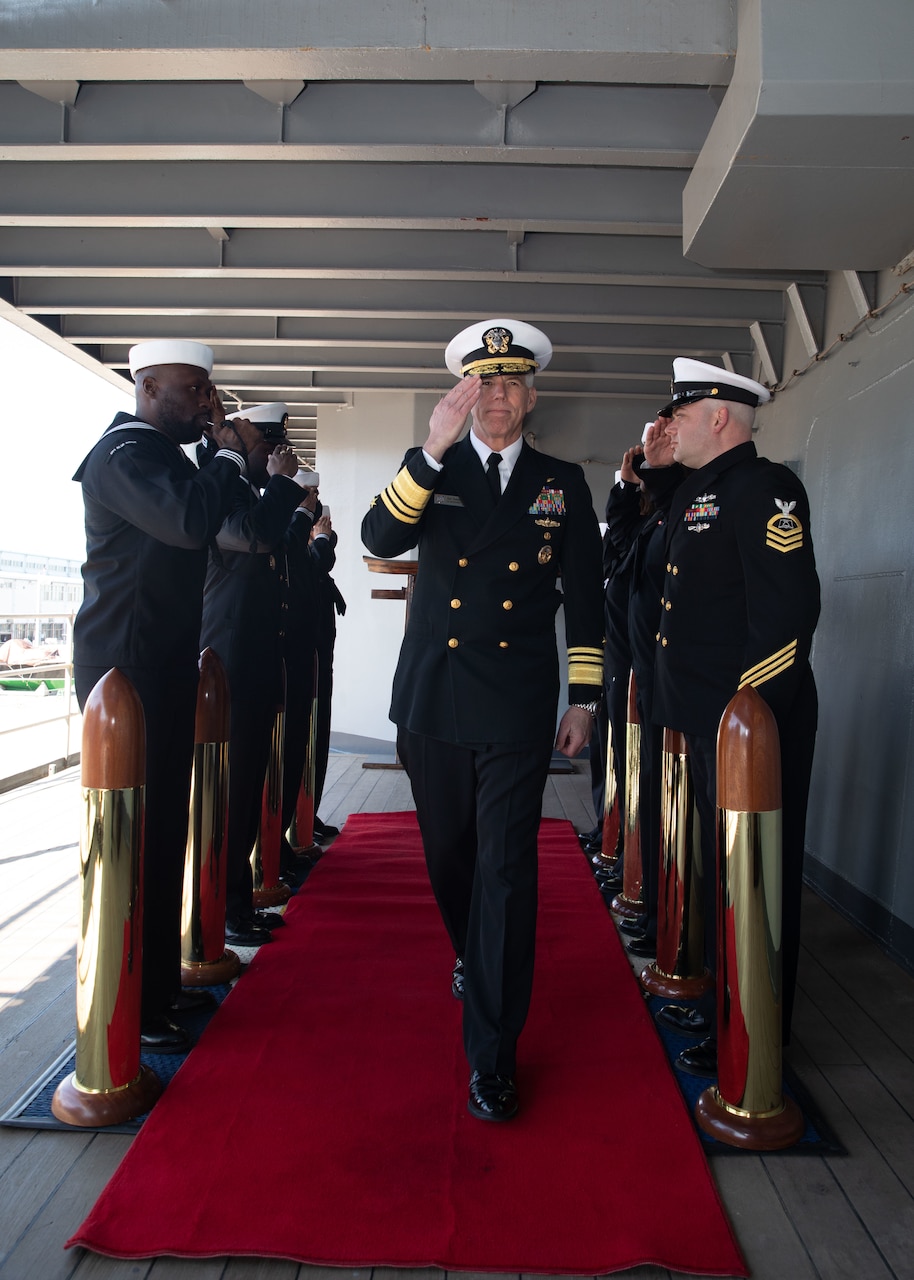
146	355
274	412
686	370
307	479
470	339
647	427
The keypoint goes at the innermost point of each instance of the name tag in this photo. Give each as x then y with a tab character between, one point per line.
448	500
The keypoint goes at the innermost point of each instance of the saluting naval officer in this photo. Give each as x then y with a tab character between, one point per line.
475	694
740	605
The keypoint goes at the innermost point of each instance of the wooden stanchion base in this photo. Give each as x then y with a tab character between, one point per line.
272	897
210	973
754	1132
672	987
625	907
73	1105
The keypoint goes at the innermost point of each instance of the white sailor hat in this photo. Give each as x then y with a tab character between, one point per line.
647	427
146	355
694	380
270	418
307	479
497	347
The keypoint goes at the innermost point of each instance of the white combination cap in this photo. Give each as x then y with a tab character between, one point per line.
308	479
260	413
497	347
694	380
146	355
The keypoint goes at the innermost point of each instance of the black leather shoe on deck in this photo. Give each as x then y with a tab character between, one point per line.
687	1021
701	1060
634	928
457	979
492	1097
644	947
161	1035
268	920
245	933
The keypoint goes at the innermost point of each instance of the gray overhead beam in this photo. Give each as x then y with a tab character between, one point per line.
397	297
626	41
217	192
610	258
406	120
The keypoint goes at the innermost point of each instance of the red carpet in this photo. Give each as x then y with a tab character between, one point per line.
322	1117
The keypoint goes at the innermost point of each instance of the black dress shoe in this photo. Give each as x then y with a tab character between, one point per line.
634	928
268	920
687	1021
457	979
188	1001
700	1060
323	831
588	837
612	880
593	846
161	1035
245	933
492	1097
644	947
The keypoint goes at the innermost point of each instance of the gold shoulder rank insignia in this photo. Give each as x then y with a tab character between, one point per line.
784	532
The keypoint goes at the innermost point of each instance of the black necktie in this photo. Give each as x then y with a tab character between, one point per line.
492	475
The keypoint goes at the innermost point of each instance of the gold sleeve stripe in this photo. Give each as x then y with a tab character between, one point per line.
585	665
785	543
404	499
770	667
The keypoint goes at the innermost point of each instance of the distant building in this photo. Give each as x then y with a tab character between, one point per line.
38	597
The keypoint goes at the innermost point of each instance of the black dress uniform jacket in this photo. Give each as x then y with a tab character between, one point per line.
478	661
741	595
150	515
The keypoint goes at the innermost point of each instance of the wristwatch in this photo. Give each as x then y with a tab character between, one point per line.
592	707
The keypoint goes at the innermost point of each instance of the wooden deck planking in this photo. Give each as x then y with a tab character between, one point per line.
795	1217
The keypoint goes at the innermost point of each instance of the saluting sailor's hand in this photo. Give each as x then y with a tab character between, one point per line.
574	731
282	461
239	432
658	447
627	470
445	426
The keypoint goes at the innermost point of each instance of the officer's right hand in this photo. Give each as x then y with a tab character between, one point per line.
445	426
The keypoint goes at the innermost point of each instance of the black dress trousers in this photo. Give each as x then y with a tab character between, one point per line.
479	810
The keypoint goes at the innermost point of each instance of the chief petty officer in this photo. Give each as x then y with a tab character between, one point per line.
740	605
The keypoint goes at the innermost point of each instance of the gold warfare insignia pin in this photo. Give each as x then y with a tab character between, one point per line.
544	555
549	524
497	341
784	532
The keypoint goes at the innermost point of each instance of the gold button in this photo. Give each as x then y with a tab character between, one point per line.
463	562
657	636
662	601
675	570
452	643
514	566
502	644
272	562
668	567
664	642
668	606
455	604
547	536
508	604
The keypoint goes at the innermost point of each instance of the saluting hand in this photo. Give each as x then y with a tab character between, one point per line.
449	415
658	447
282	461
228	435
627	470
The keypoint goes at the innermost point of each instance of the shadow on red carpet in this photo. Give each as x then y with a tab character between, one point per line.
322	1117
